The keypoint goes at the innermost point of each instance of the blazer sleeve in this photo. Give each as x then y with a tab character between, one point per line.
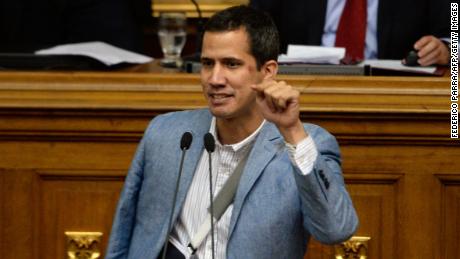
328	212
123	224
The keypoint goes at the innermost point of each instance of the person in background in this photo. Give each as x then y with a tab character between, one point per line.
291	187
392	28
29	25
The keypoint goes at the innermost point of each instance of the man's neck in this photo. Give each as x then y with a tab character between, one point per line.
232	131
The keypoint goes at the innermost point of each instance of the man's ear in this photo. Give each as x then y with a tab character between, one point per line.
270	69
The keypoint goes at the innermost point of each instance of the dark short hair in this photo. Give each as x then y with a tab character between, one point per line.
261	30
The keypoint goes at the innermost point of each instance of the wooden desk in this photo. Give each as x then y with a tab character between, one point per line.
67	139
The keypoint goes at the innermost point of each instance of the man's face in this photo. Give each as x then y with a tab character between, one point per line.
228	70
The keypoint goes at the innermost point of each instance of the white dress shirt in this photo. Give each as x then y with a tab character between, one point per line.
224	161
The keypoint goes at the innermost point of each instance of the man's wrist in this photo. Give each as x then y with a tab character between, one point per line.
448	46
293	135
447	43
303	155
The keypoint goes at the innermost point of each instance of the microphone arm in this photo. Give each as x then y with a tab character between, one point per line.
197	7
185	143
199	30
210	145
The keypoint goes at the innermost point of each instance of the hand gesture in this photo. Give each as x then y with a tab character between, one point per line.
279	104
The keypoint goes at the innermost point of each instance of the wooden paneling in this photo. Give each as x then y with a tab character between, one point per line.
450	221
67	139
17	214
75	201
379	220
2	210
374	196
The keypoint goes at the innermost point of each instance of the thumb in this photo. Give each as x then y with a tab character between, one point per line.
259	91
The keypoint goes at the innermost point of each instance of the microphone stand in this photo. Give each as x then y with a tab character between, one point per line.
199	27
210	146
186	140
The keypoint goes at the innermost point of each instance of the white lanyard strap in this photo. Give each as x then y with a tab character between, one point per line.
223	199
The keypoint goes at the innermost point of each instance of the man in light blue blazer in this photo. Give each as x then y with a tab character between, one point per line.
291	187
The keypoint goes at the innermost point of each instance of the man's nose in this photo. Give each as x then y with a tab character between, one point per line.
217	76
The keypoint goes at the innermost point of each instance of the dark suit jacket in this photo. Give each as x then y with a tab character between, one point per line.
28	25
400	23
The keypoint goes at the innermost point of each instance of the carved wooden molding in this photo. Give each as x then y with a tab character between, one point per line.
449	179
83	245
155	91
355	248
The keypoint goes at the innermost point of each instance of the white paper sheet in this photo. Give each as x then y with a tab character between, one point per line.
396	65
312	54
105	53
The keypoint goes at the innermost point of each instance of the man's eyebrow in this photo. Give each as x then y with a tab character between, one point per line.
224	59
205	59
232	59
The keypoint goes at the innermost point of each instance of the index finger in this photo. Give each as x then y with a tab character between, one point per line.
422	42
260	87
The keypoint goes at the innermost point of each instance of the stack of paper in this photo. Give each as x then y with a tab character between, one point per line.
105	53
312	54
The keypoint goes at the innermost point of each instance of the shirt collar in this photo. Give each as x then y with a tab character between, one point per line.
239	145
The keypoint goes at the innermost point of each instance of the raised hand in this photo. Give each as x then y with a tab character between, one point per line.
279	104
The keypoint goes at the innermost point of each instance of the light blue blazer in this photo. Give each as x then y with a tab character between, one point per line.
275	210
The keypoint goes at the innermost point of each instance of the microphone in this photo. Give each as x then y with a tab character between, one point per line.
210	146
209	142
185	143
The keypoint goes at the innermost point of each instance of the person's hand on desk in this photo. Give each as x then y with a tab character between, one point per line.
432	50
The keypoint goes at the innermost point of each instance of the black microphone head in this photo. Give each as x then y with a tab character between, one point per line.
186	140
209	142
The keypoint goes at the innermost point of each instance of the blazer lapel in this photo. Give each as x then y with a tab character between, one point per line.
261	154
